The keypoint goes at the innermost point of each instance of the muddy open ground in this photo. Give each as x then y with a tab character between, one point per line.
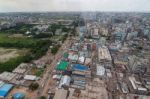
8	53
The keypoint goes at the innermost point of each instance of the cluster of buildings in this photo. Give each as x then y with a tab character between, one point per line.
73	73
108	60
123	59
117	50
22	75
9	20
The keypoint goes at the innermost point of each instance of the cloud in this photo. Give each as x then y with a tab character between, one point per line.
74	5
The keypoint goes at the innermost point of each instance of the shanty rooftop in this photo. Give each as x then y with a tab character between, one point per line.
7	76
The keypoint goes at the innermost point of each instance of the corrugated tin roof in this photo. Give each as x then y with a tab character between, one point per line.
5	89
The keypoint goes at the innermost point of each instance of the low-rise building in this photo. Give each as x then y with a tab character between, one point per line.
104	56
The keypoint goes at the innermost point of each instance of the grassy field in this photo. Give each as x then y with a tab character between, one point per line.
9	40
8	53
55	38
17	36
15	50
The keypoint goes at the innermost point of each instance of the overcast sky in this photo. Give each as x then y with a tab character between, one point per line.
74	5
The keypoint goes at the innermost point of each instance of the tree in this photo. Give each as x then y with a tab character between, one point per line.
64	37
140	47
42	35
33	86
42	97
55	49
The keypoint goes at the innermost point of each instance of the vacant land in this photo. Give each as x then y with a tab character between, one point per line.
17	36
9	53
16	50
7	40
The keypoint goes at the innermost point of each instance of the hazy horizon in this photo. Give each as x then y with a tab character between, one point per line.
74	5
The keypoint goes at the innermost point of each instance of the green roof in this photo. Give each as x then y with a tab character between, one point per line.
62	65
66	55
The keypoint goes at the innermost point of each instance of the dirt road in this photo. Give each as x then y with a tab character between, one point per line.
47	80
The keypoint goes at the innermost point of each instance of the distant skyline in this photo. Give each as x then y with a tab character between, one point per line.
74	5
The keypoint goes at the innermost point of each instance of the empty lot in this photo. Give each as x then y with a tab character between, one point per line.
9	53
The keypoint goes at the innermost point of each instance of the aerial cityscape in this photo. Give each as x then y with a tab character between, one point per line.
71	54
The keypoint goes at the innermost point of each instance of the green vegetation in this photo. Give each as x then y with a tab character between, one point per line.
54	27
36	71
139	47
64	37
42	35
33	86
55	38
39	72
37	49
75	24
65	55
6	41
19	28
11	64
55	49
42	97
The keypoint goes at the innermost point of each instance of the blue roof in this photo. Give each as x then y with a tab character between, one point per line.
5	89
79	67
18	95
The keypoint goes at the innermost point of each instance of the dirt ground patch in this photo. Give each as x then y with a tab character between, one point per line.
17	36
7	53
28	93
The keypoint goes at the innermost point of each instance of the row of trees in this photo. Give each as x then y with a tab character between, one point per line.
11	64
33	86
55	49
43	35
19	28
54	27
40	49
